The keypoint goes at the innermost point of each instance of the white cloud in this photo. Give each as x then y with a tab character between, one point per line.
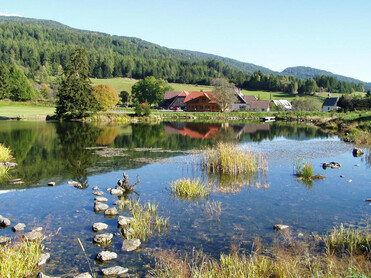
3	14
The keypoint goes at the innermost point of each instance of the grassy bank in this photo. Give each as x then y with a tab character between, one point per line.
24	110
344	252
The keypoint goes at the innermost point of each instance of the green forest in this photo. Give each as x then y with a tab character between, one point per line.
39	50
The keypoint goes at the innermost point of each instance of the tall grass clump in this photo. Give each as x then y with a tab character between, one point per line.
19	259
303	169
5	154
146	221
351	241
228	158
188	189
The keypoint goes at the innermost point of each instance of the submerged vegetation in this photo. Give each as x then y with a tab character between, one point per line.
146	221
19	259
287	258
188	189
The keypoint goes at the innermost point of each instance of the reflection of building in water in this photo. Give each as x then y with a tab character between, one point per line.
193	130
252	128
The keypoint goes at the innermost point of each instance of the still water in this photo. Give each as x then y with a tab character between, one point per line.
97	155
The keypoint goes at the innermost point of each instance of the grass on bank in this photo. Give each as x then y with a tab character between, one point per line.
146	223
347	254
24	110
188	189
19	259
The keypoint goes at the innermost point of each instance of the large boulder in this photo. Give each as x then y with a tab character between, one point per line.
130	244
103	239
114	271
105	256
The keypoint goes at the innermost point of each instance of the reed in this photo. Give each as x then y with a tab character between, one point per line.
19	259
146	223
228	158
4	173
214	209
189	189
5	154
303	169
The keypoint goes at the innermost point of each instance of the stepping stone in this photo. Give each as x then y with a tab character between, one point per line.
105	256
280	227
130	244
115	270
99	227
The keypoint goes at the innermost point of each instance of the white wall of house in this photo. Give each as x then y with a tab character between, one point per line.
329	108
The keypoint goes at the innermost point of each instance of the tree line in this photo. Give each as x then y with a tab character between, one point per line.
42	51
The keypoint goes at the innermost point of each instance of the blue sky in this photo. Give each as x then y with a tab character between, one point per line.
333	35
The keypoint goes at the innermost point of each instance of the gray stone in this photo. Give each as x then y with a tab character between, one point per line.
100	199
103	239
52	183
95	188
130	244
19	227
106	256
43	258
98	193
358	152
98	227
99	207
342	176
333	165
280	227
117	203
83	275
34	236
4	240
124	220
349	180
4	222
109	189
75	184
128	232
37	229
117	192
111	212
42	275
115	270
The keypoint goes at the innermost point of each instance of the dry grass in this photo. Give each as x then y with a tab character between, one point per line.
19	259
146	221
188	189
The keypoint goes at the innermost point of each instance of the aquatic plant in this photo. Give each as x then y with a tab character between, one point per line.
303	169
228	158
86	257
214	209
19	259
188	189
5	154
352	241
146	221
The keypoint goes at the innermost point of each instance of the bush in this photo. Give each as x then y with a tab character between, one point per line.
142	109
106	96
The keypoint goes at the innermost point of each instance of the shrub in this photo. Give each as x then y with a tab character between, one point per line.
106	96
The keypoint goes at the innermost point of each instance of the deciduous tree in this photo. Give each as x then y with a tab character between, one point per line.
224	93
106	96
149	90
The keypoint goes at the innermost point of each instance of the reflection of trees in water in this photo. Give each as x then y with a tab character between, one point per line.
74	138
108	135
368	158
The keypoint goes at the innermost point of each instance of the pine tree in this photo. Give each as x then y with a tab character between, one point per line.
75	97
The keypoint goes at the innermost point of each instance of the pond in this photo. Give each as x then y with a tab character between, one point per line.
97	155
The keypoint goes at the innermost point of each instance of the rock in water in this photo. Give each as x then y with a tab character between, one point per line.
117	192
98	227
280	227
106	256
98	193
4	240
103	239
99	207
4	222
95	188
111	212
83	275
101	199
42	275
43	258
130	244
34	236
19	227
52	183
357	152
124	220
115	270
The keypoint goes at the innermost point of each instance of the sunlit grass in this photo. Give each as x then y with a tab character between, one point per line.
19	259
5	154
303	169
228	158
146	223
188	189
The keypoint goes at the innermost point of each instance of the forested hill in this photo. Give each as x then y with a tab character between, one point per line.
42	47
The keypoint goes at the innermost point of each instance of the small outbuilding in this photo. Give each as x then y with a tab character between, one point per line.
330	103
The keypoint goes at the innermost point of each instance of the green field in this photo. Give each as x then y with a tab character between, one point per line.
24	110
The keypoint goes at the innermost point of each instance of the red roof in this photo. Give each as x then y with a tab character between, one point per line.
195	95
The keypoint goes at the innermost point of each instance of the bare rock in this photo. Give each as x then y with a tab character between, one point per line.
42	275
280	227
4	240
34	236
4	222
106	256
358	152
130	244
98	193
103	239
115	270
95	188
117	192
83	275
43	258
19	227
99	227
99	207
124	220
37	229
52	183
111	212
100	199
75	184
